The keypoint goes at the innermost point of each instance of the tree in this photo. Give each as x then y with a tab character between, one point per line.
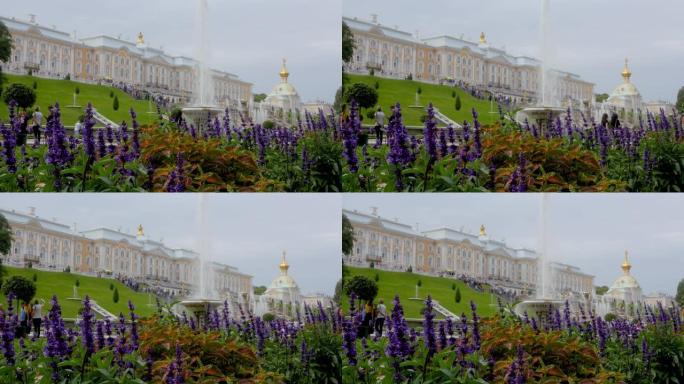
34	278
337	298
111	94
115	104
115	296
347	236
458	295
111	286
419	283
419	90
78	283
347	43
363	94
377	85
457	105
377	277
21	288
601	97
77	90
680	293
5	47
5	236
453	94
680	100
259	97
453	286
602	289
35	84
259	290
268	316
23	95
364	288
268	124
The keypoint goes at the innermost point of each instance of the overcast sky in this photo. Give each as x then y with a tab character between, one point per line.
248	231
593	37
250	37
590	231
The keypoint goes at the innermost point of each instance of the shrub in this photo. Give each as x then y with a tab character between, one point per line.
77	90
457	297
34	278
363	94
20	287
115	295
24	96
111	93
364	288
35	84
115	103
268	124
377	277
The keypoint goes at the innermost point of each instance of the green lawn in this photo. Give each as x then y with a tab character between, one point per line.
50	91
404	284
61	284
404	91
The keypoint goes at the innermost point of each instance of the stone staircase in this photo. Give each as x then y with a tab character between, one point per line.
97	308
102	119
445	119
439	308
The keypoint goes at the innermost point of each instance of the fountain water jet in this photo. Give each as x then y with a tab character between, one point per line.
548	106
203	109
205	298
545	296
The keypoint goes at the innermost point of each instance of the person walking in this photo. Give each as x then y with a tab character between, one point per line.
37	316
37	122
23	320
367	322
23	129
381	313
379	125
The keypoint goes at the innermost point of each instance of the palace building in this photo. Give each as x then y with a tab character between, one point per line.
392	245
48	52
48	245
391	52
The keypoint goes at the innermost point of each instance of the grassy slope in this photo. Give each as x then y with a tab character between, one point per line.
61	284
404	91
62	91
404	284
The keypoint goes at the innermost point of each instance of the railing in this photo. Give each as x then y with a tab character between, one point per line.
445	119
103	120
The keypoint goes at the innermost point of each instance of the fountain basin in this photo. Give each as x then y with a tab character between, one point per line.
537	308
539	115
199	309
200	116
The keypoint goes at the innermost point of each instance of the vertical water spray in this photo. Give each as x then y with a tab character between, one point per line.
547	83
205	287
543	291
204	96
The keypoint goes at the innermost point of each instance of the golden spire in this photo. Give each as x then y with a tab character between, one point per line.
483	38
626	266
626	73
141	39
140	230
284	266
482	230
283	71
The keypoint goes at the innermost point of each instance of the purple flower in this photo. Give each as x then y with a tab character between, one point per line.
134	326
350	133
429	133
476	135
429	328
476	328
86	326
88	138
349	341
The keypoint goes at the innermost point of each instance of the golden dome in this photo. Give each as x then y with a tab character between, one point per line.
483	38
284	74
284	266
626	73
141	39
626	266
140	230
483	232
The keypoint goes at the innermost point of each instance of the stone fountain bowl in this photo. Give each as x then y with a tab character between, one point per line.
538	115
198	308
199	115
537	308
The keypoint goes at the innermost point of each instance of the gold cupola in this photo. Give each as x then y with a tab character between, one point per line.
284	266
140	230
284	74
626	266
141	39
626	73
483	232
483	38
